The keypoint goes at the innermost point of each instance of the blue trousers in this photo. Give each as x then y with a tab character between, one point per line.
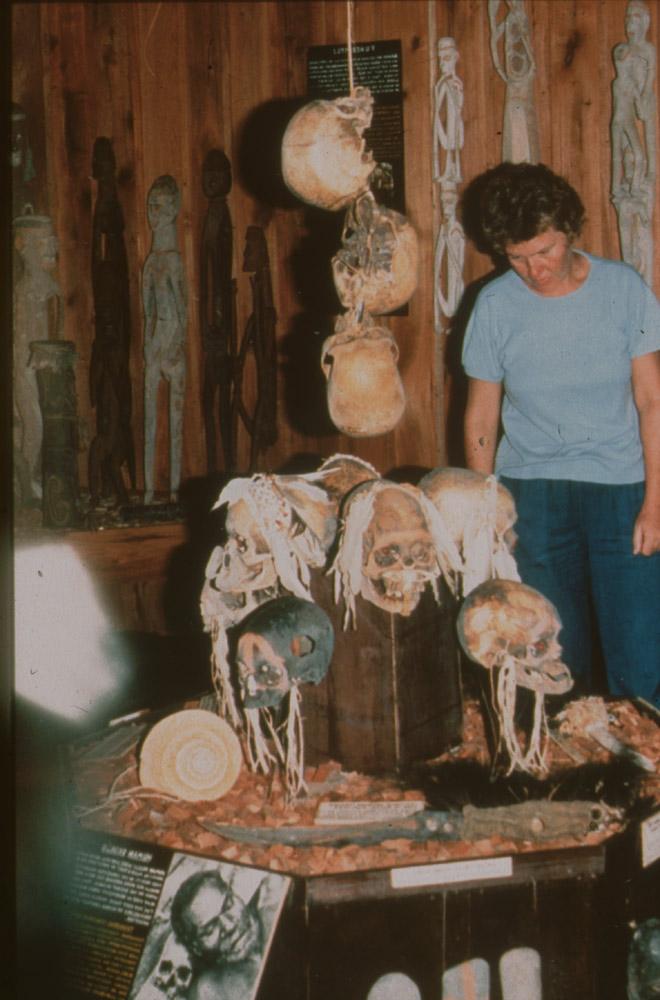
575	547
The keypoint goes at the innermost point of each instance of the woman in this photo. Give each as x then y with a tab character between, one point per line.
565	348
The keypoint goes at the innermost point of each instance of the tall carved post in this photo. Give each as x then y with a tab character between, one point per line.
520	138
448	134
259	339
217	311
37	316
53	362
109	373
164	300
632	130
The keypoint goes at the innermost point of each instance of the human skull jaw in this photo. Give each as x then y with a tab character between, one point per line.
399	556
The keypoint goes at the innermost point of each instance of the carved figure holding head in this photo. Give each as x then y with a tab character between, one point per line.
449	259
164	299
517	67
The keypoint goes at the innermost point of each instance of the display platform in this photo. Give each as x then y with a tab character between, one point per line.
356	911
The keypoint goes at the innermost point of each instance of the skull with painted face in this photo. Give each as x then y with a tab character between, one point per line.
364	391
284	642
505	621
376	267
392	545
324	159
173	974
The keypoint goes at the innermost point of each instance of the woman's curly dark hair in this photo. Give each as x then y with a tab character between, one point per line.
514	202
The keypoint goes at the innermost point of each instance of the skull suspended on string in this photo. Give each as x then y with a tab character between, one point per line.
376	268
324	157
479	514
512	630
282	644
365	394
392	544
277	528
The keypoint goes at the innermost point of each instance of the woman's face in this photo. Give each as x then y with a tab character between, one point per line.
544	263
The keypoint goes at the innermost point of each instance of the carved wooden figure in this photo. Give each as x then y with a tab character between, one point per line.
520	140
633	128
164	300
258	339
109	372
37	316
448	132
53	361
217	311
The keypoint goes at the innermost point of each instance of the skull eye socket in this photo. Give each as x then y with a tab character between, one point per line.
539	648
166	967
241	543
302	645
183	973
421	552
387	556
266	675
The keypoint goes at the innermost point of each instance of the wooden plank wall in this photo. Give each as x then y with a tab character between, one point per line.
168	81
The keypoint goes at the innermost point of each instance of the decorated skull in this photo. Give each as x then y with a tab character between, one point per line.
376	267
284	642
173	974
365	393
392	545
479	513
507	622
324	159
339	474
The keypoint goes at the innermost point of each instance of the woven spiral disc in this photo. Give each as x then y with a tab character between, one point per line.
192	754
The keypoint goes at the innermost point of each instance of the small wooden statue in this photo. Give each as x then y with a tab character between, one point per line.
164	300
520	139
217	311
37	316
633	129
259	339
109	374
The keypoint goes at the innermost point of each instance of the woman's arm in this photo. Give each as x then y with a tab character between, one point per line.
482	419
646	390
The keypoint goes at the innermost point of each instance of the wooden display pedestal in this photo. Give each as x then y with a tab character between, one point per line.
392	696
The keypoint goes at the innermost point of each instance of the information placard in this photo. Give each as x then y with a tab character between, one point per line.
147	923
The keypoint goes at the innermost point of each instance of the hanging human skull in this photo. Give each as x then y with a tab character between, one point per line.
339	474
285	641
505	621
376	267
173	974
324	159
392	545
479	514
364	391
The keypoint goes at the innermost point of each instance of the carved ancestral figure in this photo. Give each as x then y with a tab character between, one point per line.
109	371
218	311
37	315
258	340
376	267
364	390
164	299
512	630
520	140
633	155
479	514
392	544
324	157
282	644
448	133
53	362
448	281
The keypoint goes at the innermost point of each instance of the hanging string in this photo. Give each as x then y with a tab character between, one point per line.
349	20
